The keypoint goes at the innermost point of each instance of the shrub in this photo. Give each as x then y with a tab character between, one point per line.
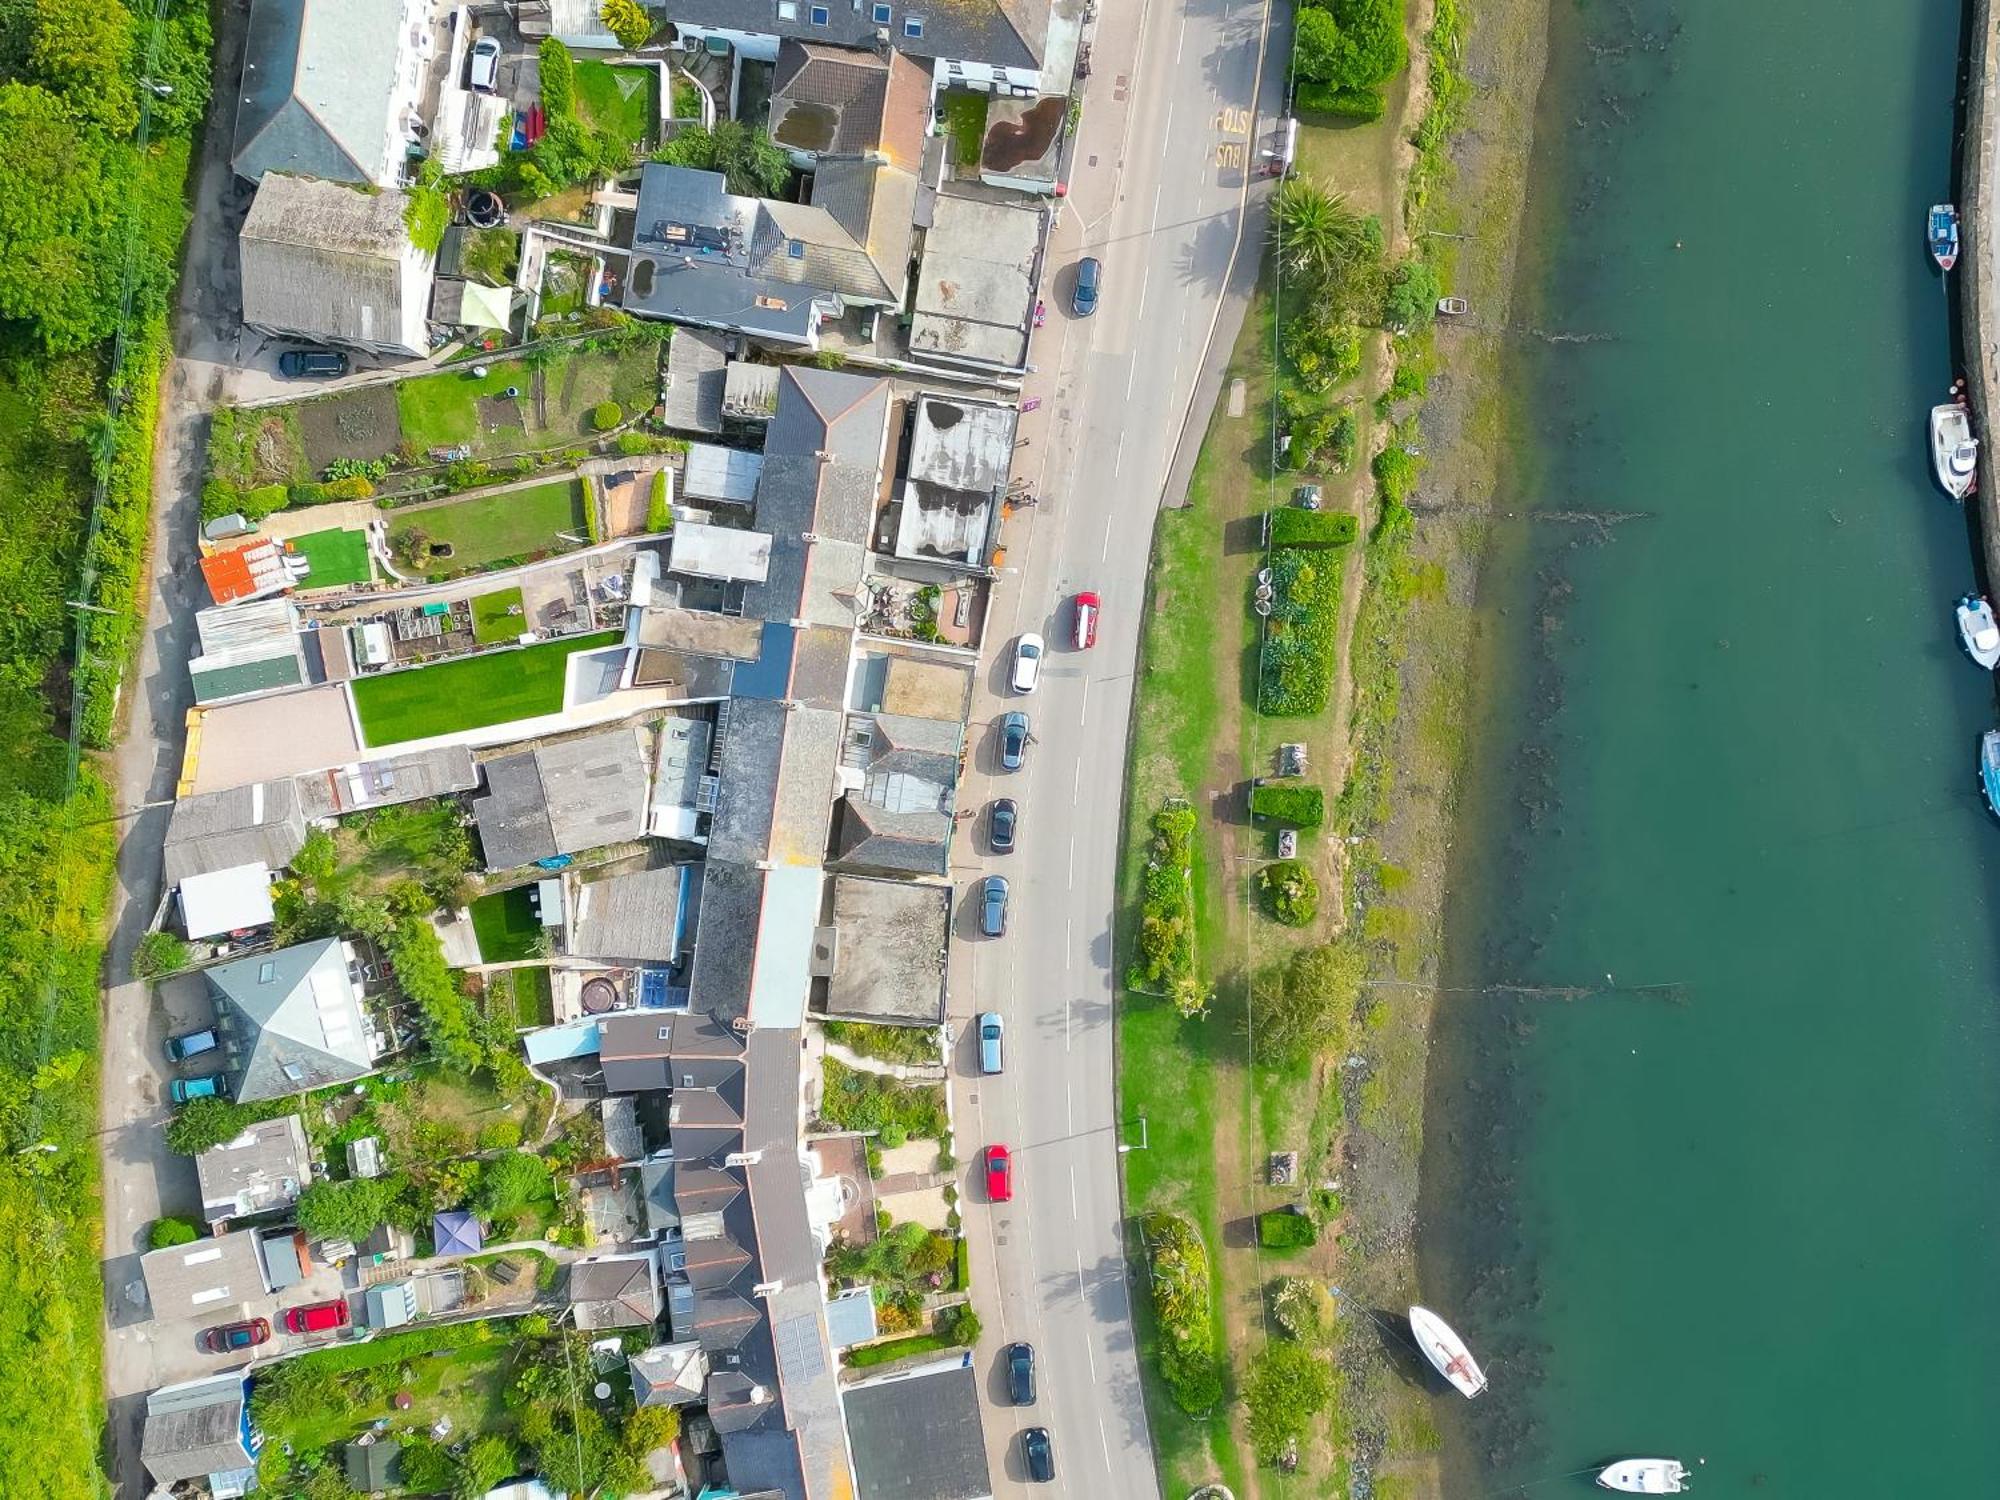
627	20
963	1325
1288	891
202	1123
1344	104
558	72
659	516
1292	526
1178	1261
350	487
853	1100
1341	441
1303	1307
158	953
1297	805
346	1210
1301	637
254	505
1286	1229
1165	950
1396	471
1289	1386
1412	298
1322	350
606	415
166	1233
510	1184
1302	1007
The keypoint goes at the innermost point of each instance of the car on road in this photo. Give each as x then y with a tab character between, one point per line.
990	1031
993	906
184	1089
1040	1454
309	364
999	1175
317	1317
1089	281
227	1338
1027	663
1021	1374
1084	620
191	1044
1013	740
1002	819
485	73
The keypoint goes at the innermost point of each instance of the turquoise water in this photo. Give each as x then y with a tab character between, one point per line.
1728	747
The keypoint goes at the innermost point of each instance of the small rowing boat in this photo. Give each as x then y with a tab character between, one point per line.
1941	231
1447	1352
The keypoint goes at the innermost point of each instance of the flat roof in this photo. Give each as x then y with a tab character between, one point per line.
283	734
208	1278
960	454
890	938
226	900
917	1436
717	473
720	552
976	286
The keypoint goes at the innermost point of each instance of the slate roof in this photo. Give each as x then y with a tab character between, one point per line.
291	1020
563	798
616	1292
919	1438
326	260
513	816
1000	33
697	371
633	1051
804	245
206	1277
841	101
316	87
876	204
256	824
900	820
196	1429
668	1374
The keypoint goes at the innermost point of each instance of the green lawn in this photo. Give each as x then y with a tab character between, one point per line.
519	997
470	693
506	925
467	1384
485	530
620	100
965	119
338	556
439	410
497	617
443	409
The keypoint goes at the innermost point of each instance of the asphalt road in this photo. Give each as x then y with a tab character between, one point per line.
1160	195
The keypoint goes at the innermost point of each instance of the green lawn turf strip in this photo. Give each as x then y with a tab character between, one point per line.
470	693
442	410
506	925
619	100
337	556
488	529
497	617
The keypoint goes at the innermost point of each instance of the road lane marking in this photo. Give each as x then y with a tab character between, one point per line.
1072	1190
1104	1442
1118	458
1071	879
1181	40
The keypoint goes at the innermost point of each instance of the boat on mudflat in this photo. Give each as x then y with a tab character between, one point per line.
1954	450
1941	231
1989	769
1644	1476
1977	631
1447	1352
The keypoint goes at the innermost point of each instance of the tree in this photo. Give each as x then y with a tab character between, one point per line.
1289	1385
650	1428
627	20
84	53
1316	45
1301	1007
489	1460
169	1232
202	1123
754	164
1412	298
1369	46
510	1184
346	1210
180	65
558	78
1321	238
158	953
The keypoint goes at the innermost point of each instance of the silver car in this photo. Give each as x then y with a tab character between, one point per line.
989	1042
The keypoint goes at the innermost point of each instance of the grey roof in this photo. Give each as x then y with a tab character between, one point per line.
208	1278
196	1428
633	918
877	206
919	1438
616	1292
850	1317
900	820
291	1020
890	938
633	1051
388	780
317	81
747	789
732	901
1000	33
833	412
960	455
808	245
512	814
256	824
262	1169
624	1138
706	1190
668	1374
656	1189
697	368
373	1463
722	1319
326	260
976	286
842	101
563	798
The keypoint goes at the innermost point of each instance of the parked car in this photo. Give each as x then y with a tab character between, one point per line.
227	1338
1001	821
999	1175
317	1317
191	1044
302	364
1084	622
485	73
993	906
1089	279
1021	1374
1013	740
183	1089
990	1030
1040	1454
1027	663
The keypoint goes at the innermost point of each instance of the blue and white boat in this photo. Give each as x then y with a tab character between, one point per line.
1977	631
1942	233
1989	769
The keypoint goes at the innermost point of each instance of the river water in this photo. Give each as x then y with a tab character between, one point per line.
1727	747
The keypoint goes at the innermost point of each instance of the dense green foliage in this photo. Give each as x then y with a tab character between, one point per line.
1292	526
1289	1386
903	1044
1164	957
159	953
1321	351
1412	296
1303	1307
1285	1229
1343	51
1301	1008
202	1123
509	1184
1288	892
904	1265
606	415
754	164
347	1210
869	1101
169	1232
1177	1265
1293	804
627	20
1301	635
659	516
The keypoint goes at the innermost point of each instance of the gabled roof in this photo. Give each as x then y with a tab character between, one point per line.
841	101
876	204
262	1169
196	1429
619	1291
327	260
317	85
205	1277
804	245
292	1020
999	33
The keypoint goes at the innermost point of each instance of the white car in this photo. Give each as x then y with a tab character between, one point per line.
1027	662
485	73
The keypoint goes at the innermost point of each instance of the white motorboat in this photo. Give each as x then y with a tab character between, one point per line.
1447	1352
1977	631
1644	1476
1954	450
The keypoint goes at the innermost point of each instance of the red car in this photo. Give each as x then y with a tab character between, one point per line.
1087	610
317	1317
999	1175
229	1337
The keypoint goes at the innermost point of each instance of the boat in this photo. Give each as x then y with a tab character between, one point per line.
1989	769
1452	307
1446	1350
1644	1476
1942	232
1954	450
1977	631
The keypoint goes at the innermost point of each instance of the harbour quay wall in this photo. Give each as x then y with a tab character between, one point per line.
1979	267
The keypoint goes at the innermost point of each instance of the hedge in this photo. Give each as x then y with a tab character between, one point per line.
1299	806
659	516
1285	1229
1296	664
1164	956
366	1354
1294	526
882	1353
1345	104
1178	1261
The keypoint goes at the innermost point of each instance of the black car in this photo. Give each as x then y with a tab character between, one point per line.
302	364
1021	1374
1089	274
1000	825
1013	740
1040	1454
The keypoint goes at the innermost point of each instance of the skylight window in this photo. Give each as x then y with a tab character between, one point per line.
913	26
821	15
881	15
